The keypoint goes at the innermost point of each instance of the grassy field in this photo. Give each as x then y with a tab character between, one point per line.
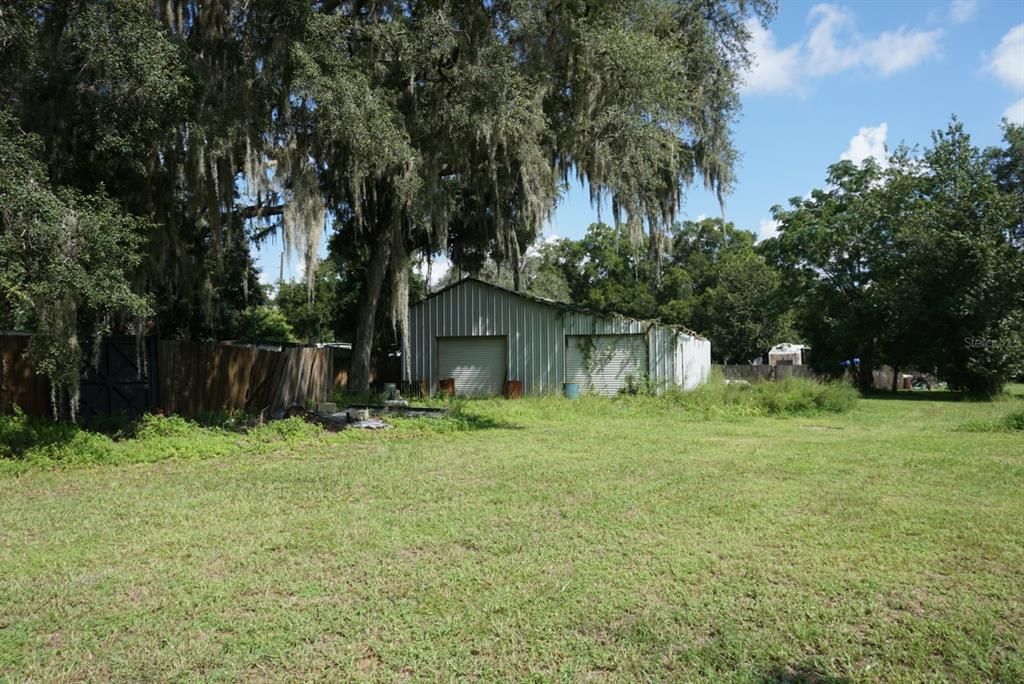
538	540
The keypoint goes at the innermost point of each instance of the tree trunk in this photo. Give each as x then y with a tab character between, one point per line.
516	262
366	322
895	378
866	375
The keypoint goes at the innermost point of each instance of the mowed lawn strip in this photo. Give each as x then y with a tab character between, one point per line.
604	540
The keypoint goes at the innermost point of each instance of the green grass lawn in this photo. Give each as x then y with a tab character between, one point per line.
595	540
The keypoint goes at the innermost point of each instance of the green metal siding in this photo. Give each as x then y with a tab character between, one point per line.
472	308
535	332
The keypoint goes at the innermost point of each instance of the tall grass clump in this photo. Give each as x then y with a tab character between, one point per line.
1013	421
789	397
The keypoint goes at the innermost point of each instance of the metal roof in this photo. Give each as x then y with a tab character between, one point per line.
559	305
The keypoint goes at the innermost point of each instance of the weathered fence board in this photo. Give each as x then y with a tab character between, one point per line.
184	378
198	377
18	383
783	372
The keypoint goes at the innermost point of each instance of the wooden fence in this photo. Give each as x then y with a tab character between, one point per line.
752	373
189	378
18	383
198	376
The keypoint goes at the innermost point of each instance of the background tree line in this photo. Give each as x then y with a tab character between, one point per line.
147	147
916	261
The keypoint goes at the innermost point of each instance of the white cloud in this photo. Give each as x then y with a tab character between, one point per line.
831	47
1007	61
767	228
869	142
1015	112
961	11
835	47
900	50
774	70
827	56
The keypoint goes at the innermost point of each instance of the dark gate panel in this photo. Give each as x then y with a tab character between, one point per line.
123	382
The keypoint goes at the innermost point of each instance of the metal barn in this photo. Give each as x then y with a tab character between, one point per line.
481	336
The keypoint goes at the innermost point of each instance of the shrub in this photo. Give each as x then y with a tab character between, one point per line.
795	396
152	426
41	442
642	385
288	430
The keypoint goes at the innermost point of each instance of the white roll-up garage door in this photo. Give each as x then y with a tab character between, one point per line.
478	364
602	364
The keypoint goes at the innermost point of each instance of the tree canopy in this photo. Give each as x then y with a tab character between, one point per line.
65	257
918	264
416	127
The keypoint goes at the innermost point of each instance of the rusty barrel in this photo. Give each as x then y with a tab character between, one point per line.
513	389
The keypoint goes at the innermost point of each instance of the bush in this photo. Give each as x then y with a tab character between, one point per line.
289	430
153	427
795	396
642	386
41	440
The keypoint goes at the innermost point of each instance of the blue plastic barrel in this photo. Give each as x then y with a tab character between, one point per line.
572	390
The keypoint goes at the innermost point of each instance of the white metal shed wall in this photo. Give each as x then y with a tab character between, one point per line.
694	362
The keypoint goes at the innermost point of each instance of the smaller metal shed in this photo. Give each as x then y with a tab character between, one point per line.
481	335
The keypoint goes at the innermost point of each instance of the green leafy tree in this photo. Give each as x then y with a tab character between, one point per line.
65	261
833	245
732	295
608	272
1007	164
312	315
742	312
264	324
962	267
431	127
916	265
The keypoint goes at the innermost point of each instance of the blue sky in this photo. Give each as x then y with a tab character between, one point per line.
835	79
843	80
